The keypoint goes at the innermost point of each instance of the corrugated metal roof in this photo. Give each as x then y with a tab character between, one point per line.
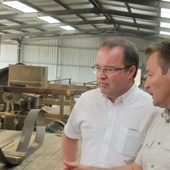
89	17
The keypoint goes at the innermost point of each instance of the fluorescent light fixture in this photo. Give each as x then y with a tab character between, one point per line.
67	27
165	24
19	6
164	33
49	19
165	12
166	0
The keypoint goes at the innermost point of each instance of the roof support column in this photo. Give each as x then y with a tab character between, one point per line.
19	49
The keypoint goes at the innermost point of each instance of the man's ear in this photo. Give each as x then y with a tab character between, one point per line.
168	74
132	71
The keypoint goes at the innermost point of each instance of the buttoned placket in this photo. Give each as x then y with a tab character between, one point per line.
107	135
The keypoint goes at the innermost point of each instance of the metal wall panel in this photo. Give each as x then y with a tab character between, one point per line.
78	75
8	55
77	57
67	57
41	55
84	42
49	42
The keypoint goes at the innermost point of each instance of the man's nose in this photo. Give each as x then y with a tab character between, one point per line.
101	73
146	85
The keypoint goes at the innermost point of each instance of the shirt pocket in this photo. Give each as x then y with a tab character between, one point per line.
129	141
156	153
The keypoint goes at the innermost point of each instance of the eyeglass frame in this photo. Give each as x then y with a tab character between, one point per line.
106	69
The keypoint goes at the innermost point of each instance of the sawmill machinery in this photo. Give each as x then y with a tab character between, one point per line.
26	88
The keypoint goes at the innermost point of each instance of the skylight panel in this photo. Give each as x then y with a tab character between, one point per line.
165	25
165	12
164	33
19	6
49	19
67	27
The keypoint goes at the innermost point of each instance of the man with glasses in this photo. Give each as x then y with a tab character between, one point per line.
113	119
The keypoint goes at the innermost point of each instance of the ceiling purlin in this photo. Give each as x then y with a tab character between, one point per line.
152	3
59	34
105	21
39	14
35	34
129	10
98	10
23	26
67	8
99	7
37	8
78	11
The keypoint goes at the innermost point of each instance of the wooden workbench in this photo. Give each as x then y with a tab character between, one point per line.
47	157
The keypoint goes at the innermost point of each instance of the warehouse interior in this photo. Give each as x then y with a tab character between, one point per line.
47	54
26	38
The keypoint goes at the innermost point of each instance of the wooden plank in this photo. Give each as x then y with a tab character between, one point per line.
35	90
47	157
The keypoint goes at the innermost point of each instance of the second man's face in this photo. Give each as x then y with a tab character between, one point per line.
157	84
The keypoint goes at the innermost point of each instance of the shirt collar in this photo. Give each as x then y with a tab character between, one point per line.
125	98
166	115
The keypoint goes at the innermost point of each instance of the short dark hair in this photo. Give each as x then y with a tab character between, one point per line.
131	56
163	49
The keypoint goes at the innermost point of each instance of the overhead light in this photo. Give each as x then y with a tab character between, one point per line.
165	12
67	27
19	6
49	19
166	0
164	33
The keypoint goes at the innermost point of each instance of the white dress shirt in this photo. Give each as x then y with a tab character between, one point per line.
111	133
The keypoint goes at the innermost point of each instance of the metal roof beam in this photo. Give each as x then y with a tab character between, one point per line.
78	11
152	3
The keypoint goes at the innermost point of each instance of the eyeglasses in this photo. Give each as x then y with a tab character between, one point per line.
107	70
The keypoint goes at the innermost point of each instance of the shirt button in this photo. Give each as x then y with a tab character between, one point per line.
152	166
159	143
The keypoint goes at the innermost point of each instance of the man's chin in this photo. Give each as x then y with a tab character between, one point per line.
104	91
155	103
